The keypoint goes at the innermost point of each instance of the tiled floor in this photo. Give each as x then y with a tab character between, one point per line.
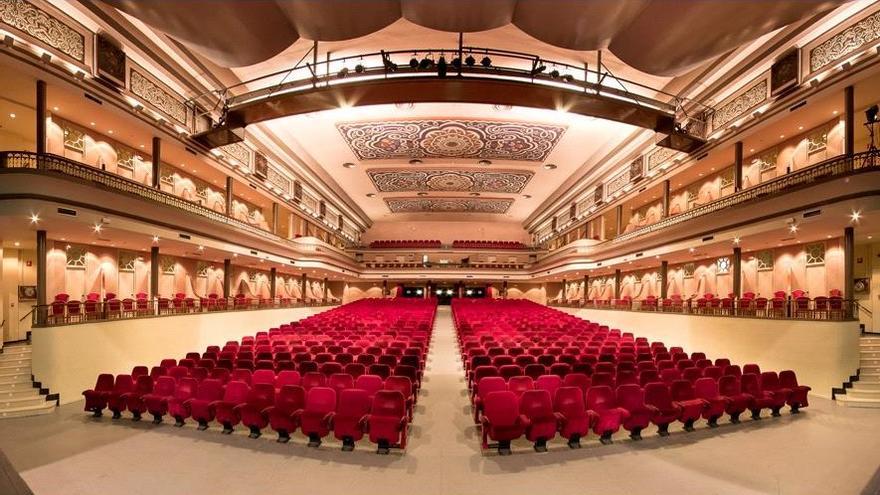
826	450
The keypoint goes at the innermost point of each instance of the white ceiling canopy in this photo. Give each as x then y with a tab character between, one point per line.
661	37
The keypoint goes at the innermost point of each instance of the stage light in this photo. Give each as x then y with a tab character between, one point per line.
441	67
448	292
485	162
35	218
855	216
486	62
359	68
554	73
871	113
426	63
389	65
342	72
348	165
456	62
539	69
470	61
413	62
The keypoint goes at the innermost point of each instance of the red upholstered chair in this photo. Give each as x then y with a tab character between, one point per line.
123	385
520	384
501	420
283	414
96	398
572	415
201	407
178	405
632	398
780	395
349	420
798	397
751	384
658	396
370	383
601	400
579	380
314	418
253	411
537	407
156	401
225	410
683	394
751	368
716	404
484	387
738	402
134	400
387	421
403	385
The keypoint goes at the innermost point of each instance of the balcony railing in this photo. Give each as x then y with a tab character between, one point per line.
820	309
57	164
71	312
829	169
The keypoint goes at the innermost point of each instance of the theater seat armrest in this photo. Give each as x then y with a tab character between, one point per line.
366	423
623	413
524	420
328	419
653	409
238	407
267	411
560	418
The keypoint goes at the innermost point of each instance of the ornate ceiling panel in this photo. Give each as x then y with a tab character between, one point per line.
474	139
496	181
448	205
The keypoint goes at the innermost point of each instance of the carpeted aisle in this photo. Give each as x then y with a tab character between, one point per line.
828	449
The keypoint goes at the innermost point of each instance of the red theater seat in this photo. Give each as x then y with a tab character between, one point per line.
387	421
798	397
738	402
156	401
226	411
178	405
283	415
501	420
96	398
574	419
601	400
657	395
314	418
253	412
716	403
349	420
683	394
537	407
632	398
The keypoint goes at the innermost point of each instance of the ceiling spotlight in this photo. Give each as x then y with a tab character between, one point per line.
422	193
371	195
470	60
549	166
456	62
155	238
46	57
8	41
201	248
793	228
554	74
527	196
415	161
11	115
359	68
871	114
97	228
348	165
814	82
389	65
736	240
16	244
35	218
855	216
474	194
691	250
486	62
426	63
485	162
539	69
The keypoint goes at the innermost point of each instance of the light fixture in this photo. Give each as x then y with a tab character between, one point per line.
549	166
736	240
359	68
46	57
342	72
426	63
691	250
35	218
11	115
54	109
201	248
414	61
486	62
474	194
855	216
527	196
485	162
814	82
155	238
97	228
348	165
441	66
782	136
421	193
470	60
793	228
415	161
16	244
235	255
371	195
110	131
92	124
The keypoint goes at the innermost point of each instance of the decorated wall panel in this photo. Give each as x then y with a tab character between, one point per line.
845	43
47	28
151	91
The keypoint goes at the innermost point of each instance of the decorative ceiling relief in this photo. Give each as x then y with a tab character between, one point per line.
30	19
475	139
846	42
448	205
450	180
740	105
143	86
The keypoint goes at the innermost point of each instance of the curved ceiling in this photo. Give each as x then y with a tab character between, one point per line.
661	37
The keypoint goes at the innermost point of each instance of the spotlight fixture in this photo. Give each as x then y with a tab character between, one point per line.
389	65
9	41
539	69
549	166
97	228
426	63
456	63
413	62
46	57
485	162
736	240
691	250
415	161
155	238
35	218
527	196
568	78
793	228
359	68
342	72
871	114
855	216
486	62
470	60
371	195
814	82
421	193
348	165
554	74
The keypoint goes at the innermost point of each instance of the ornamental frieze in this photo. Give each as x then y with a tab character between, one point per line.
142	86
448	205
450	180
740	105
39	24
847	42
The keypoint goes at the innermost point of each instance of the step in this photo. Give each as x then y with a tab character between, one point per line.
21	412
17	402
18	392
6	368
855	402
18	379
16	349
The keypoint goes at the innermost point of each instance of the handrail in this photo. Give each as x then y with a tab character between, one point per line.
833	167
59	164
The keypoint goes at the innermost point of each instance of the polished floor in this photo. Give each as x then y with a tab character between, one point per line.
826	450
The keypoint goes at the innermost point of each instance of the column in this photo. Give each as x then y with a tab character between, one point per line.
848	262
229	183
617	284
384	288
619	210
303	282
325	289
564	290
41	118
275	214
737	166
664	274
737	272
504	289
273	273
42	300
849	121
227	277
667	194
154	272
586	288
157	159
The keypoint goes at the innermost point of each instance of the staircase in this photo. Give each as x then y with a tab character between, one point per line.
18	396
866	391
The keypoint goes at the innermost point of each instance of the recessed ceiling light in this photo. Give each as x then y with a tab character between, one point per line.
55	109
527	196
475	194
16	244
348	165
371	195
485	162
110	131
800	127
92	124
549	166
782	136
415	161
834	112
142	146
752	150
421	193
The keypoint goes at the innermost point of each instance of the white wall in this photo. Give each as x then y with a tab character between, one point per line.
17	267
823	354
68	359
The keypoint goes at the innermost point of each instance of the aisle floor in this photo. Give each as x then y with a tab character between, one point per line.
827	449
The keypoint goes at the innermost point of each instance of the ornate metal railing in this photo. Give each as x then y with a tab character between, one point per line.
821	172
70	168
